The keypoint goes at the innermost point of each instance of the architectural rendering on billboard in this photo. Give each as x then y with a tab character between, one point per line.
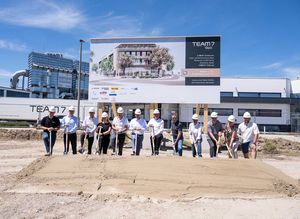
155	70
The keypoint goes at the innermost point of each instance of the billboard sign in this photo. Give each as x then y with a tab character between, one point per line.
155	70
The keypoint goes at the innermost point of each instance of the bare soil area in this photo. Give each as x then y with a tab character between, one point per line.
80	186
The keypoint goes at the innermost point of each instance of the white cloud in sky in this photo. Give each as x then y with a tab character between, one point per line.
275	65
18	47
42	14
56	15
5	74
292	72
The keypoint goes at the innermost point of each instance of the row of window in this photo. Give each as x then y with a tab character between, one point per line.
253	112
252	94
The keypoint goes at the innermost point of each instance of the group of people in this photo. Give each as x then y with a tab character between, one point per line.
114	134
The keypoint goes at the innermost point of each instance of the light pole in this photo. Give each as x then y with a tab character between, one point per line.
79	78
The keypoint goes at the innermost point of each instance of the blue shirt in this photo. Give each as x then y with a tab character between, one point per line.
71	121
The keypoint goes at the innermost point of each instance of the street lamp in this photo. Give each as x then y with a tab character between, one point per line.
79	76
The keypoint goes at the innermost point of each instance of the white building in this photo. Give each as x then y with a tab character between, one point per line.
273	102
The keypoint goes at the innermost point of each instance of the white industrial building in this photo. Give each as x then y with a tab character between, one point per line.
273	102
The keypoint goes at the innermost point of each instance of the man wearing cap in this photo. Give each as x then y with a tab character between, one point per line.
156	126
50	125
195	131
249	133
70	123
120	126
177	134
89	126
137	126
103	131
214	133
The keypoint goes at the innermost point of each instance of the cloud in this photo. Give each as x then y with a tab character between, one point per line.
292	72
4	44
42	14
5	73
111	25
156	31
275	66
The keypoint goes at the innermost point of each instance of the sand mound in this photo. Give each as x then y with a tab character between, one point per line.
154	177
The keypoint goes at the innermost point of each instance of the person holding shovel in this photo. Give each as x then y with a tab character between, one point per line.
89	126
231	137
103	130
70	123
156	126
214	133
249	133
195	132
120	126
137	126
50	125
177	135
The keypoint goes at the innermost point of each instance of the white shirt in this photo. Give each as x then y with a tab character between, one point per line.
90	124
138	124
158	125
248	131
120	123
195	131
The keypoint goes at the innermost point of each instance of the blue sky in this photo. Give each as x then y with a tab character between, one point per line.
260	38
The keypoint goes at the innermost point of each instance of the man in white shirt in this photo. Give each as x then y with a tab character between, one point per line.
119	126
137	126
89	126
69	123
195	131
156	126
249	133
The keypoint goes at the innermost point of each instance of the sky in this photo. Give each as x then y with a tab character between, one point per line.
260	38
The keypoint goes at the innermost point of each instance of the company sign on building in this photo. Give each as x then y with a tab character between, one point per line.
155	70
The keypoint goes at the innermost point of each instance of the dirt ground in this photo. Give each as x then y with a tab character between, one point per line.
34	186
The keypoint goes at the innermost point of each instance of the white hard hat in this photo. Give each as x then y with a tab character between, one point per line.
120	110
156	111
104	115
214	115
71	108
52	109
247	115
137	112
91	110
195	117
231	118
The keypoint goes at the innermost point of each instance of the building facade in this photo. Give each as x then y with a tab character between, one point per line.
53	76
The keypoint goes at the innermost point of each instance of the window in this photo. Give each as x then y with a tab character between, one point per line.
220	111
11	93
261	94
1	93
261	112
226	94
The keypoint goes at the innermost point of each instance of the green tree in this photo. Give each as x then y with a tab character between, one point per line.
91	56
94	67
106	65
159	56
124	61
170	65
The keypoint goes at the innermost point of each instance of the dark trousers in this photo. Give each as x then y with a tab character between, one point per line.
73	139
157	142
103	144
212	148
139	143
121	140
90	142
46	139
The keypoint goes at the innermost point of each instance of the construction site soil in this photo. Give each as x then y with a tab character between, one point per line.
165	186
